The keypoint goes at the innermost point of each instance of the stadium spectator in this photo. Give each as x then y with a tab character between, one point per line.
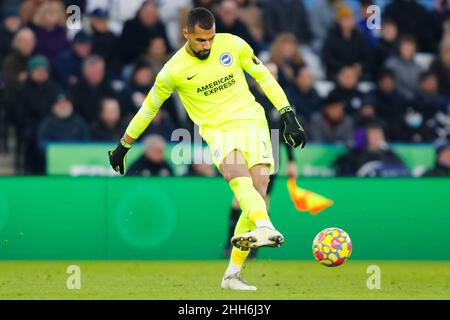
331	125
442	165
413	19
285	53
366	113
68	66
62	125
156	54
109	127
346	45
250	13
440	124
169	11
33	103
347	89
9	27
28	10
442	11
387	43
91	88
136	91
441	67
49	26
389	104
104	41
428	101
138	32
137	88
303	95
413	128
228	21
374	159
152	162
286	16
405	69
16	62
322	18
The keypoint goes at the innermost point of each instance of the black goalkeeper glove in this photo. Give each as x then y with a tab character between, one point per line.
293	133
117	157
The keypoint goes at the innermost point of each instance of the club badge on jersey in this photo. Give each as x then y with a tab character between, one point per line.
226	59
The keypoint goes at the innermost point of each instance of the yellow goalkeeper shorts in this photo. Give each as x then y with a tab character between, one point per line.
250	137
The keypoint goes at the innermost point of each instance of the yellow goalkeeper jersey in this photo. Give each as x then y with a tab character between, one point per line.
213	91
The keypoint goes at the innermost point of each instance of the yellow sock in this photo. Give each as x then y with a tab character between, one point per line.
250	201
238	256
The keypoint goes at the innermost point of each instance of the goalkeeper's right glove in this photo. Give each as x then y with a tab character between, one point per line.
117	157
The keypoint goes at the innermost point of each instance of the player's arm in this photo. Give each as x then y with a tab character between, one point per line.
293	133
160	92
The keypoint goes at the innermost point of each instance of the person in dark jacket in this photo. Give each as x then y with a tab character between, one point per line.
347	89
68	66
303	95
332	125
10	25
428	100
15	64
33	103
152	162
286	16
413	128
104	42
62	125
373	159
442	165
389	104
138	32
441	67
346	45
228	21
412	18
91	89
109	127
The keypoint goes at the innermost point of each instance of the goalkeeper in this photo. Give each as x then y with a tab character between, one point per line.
208	74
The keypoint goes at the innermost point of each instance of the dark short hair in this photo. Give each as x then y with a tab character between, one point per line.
385	73
201	17
426	74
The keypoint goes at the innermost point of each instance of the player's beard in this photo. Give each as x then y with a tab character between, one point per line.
202	55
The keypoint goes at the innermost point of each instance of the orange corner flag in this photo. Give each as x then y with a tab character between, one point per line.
305	200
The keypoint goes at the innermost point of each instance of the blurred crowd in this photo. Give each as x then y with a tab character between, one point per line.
352	84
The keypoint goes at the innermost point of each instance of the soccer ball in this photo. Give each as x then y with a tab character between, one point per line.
332	247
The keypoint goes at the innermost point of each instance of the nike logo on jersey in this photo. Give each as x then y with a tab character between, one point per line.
190	78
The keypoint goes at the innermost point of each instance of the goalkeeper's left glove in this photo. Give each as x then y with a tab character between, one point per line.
294	134
117	157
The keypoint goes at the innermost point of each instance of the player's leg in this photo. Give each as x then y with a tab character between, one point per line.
234	170
233	167
235	212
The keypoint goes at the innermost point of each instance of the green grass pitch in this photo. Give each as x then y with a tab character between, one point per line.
200	280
